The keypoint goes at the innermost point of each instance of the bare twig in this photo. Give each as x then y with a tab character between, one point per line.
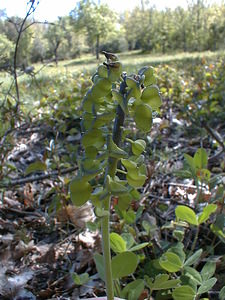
214	134
20	181
20	31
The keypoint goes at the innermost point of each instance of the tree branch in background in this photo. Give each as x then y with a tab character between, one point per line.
20	30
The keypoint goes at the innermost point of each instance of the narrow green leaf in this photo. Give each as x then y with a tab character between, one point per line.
191	163
207	211
201	159
193	274
117	243
128	238
184	292
194	258
124	264
222	294
208	270
138	147
187	280
139	246
162	282
36	166
99	262
187	214
207	285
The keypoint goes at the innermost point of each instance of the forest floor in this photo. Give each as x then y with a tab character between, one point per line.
44	240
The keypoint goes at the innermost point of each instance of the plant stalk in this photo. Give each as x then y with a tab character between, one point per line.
106	251
105	223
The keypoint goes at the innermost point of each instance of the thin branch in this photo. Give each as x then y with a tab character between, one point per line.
38	22
214	134
21	29
20	181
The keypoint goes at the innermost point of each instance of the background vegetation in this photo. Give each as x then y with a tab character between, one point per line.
91	28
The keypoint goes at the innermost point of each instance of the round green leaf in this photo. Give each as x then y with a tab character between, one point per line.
114	187
80	191
187	214
124	264
135	179
93	137
129	164
143	117
102	71
170	262
124	201
151	96
138	147
184	292
131	82
148	73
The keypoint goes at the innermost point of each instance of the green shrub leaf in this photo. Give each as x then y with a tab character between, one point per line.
124	264
194	258
208	270
207	285
222	294
187	214
207	211
139	247
184	292
36	166
99	262
170	262
193	274
80	279
117	243
201	159
133	290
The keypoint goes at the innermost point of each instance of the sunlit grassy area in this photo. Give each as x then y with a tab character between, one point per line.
131	60
50	78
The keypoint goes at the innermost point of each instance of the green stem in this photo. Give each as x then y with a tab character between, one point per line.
105	225
195	240
106	252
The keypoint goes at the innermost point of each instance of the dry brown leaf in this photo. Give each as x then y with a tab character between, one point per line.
78	216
